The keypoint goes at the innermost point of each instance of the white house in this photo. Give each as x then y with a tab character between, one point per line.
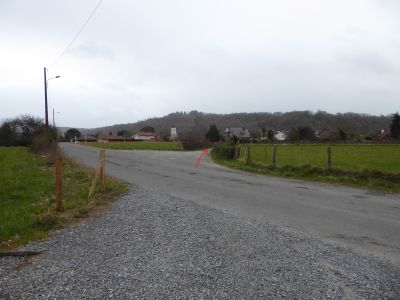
280	136
144	136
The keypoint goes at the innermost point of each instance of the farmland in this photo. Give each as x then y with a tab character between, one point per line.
159	146
373	166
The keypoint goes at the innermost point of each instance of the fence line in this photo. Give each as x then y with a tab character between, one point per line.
247	155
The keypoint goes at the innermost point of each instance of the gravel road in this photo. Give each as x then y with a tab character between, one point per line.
154	245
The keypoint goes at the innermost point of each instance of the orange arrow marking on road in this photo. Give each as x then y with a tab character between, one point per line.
198	161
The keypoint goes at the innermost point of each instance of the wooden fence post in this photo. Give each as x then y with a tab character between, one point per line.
52	153
237	149
248	156
329	158
274	149
102	169
99	174
58	183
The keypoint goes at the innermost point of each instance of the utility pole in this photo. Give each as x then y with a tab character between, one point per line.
54	124
45	100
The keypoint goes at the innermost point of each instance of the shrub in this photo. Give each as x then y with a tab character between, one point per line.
44	141
227	151
213	134
20	131
192	144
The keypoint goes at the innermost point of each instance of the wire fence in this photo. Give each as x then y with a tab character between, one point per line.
383	158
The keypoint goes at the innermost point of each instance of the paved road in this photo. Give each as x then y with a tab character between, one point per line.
367	221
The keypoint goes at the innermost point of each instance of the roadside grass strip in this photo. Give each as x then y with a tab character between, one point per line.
370	166
27	199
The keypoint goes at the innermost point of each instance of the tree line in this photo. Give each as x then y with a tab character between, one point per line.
28	130
196	124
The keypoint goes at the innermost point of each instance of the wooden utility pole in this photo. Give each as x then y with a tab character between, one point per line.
59	203
102	169
45	100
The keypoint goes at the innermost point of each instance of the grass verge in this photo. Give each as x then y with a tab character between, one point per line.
353	157
159	146
27	197
377	180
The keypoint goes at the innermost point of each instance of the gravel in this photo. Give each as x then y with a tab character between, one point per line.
151	245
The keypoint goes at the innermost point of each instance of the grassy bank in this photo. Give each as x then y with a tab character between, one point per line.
129	145
371	166
27	196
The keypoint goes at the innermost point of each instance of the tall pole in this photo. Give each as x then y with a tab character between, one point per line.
54	124
45	99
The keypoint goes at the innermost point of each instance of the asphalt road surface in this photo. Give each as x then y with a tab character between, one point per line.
364	220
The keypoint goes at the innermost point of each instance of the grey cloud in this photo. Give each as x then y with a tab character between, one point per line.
149	58
368	61
91	50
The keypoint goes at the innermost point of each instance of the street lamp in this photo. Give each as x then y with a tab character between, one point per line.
45	96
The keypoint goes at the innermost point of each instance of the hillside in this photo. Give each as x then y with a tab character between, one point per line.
197	123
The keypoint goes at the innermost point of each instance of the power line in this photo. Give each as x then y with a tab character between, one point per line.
79	32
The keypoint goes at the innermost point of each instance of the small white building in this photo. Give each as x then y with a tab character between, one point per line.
280	136
174	134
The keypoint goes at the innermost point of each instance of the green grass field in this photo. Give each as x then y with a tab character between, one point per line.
384	158
372	166
27	196
160	146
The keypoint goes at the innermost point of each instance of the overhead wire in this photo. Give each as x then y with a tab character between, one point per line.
77	34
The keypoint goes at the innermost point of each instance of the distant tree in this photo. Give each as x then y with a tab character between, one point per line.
6	134
20	131
235	140
263	132
329	134
293	135
71	133
147	129
213	134
395	126
200	127
342	135
110	133
270	135
306	133
123	133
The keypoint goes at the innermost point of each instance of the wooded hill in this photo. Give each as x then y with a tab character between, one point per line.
196	124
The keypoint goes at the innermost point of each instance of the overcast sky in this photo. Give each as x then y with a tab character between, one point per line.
140	59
